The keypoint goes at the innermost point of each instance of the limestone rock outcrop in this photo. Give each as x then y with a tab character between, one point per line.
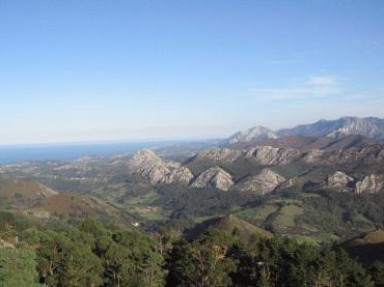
215	177
151	167
267	155
373	183
252	134
219	155
340	181
265	182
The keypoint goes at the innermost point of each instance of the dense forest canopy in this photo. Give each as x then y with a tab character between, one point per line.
92	254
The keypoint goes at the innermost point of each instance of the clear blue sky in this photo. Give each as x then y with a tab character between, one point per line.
113	70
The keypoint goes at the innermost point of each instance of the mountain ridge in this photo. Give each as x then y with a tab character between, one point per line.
370	127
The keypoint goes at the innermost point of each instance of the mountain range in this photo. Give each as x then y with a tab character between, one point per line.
335	155
369	127
305	181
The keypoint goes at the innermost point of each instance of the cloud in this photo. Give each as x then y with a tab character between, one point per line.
321	80
313	87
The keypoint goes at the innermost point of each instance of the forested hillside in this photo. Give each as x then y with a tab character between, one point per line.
282	211
92	254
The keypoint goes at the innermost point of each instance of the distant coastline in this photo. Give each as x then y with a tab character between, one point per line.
68	151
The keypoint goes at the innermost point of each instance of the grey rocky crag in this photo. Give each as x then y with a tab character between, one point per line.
267	155
368	155
294	182
341	182
368	127
151	167
264	182
219	155
373	183
215	177
253	134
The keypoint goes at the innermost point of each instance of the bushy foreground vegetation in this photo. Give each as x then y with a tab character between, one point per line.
95	255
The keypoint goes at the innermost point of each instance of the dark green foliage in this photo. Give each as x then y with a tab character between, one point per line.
94	255
210	259
203	262
18	268
377	272
65	258
346	215
11	221
184	202
130	259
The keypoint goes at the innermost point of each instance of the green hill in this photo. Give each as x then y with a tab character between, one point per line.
75	207
368	247
22	193
230	224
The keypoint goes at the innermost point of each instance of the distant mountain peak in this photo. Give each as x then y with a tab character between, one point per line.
215	177
146	154
157	170
370	127
252	134
265	182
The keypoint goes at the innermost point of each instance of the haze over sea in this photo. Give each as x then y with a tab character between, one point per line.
66	151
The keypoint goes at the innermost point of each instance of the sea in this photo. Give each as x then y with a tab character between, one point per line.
40	152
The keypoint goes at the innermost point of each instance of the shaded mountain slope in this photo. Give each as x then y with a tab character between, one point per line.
22	193
230	224
75	207
368	247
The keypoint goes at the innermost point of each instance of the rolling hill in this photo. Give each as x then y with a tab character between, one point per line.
368	247
18	193
231	224
76	207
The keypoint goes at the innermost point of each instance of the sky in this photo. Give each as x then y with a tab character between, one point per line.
100	70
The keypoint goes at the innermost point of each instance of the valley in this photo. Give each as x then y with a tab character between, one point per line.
259	197
291	185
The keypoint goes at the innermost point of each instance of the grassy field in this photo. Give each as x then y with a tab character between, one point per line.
257	214
143	200
286	216
316	238
281	215
142	205
375	237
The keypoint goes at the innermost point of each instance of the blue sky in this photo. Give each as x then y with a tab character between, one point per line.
122	70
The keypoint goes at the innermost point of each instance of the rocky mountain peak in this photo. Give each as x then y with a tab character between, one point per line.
253	134
373	183
264	182
151	167
267	155
145	157
215	177
220	155
369	127
340	181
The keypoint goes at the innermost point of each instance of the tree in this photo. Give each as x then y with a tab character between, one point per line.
377	271
203	262
64	261
23	262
